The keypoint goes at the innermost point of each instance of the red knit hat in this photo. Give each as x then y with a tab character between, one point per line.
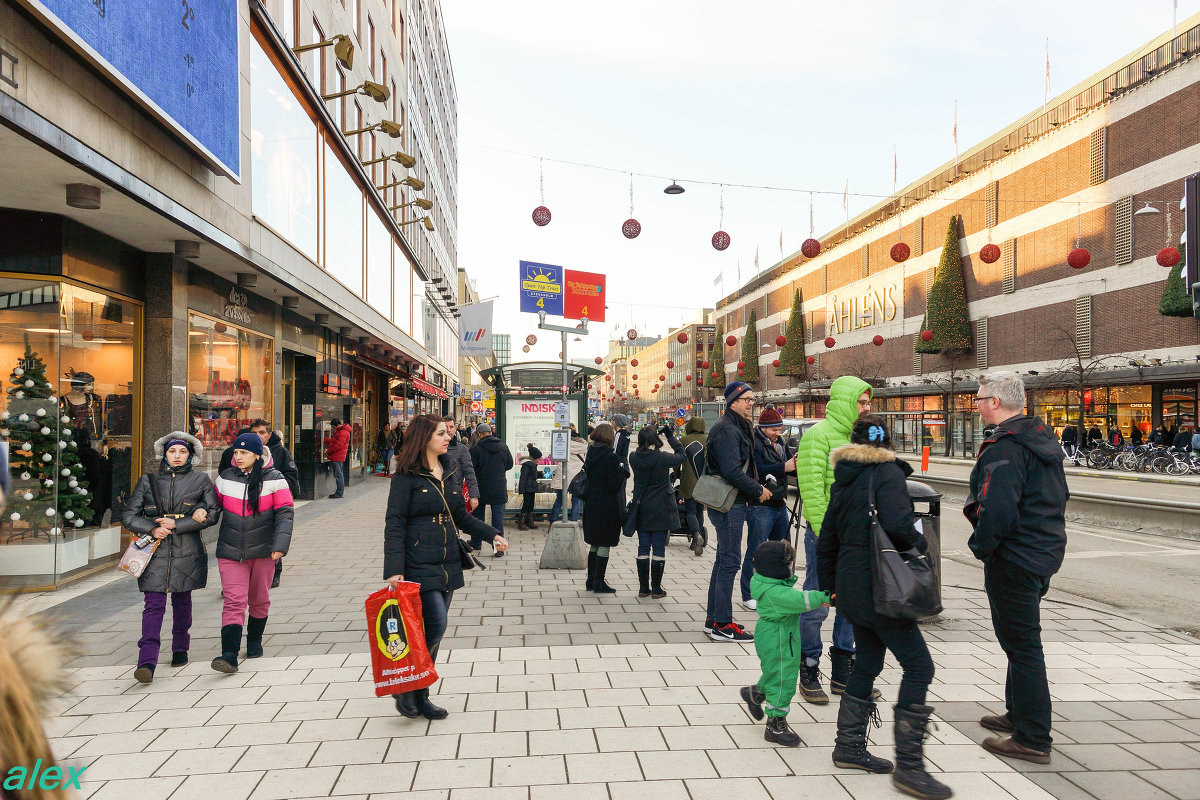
770	418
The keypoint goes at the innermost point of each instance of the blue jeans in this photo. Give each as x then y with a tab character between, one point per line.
810	621
728	560
497	520
653	540
556	509
339	477
767	524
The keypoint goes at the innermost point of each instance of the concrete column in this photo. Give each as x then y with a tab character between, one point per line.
164	351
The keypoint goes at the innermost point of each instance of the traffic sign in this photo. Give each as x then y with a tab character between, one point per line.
681	413
541	288
476	406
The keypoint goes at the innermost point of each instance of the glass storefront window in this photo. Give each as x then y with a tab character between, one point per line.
343	225
71	361
229	383
402	275
283	157
379	265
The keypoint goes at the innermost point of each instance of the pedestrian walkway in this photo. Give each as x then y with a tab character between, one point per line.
549	685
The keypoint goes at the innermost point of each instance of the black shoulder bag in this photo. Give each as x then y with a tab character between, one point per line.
904	584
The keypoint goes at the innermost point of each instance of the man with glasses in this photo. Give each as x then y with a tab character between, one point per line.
730	455
1017	506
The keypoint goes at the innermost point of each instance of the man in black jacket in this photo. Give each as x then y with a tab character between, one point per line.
491	460
730	456
281	460
1017	506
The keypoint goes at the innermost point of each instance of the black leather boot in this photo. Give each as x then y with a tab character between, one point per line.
850	746
231	642
598	584
591	570
428	709
643	568
841	662
778	732
407	705
910	777
656	573
254	633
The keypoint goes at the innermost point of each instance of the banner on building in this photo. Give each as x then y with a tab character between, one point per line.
584	295
475	338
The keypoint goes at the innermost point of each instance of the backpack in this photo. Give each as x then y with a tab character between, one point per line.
1196	441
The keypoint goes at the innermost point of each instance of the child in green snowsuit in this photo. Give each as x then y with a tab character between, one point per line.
777	637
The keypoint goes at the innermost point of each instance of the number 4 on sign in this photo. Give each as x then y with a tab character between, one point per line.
583	312
541	303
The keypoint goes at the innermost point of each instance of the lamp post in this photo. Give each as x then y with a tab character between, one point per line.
580	329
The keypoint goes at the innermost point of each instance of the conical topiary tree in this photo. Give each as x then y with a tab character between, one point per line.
48	490
717	362
946	316
792	361
750	351
1176	301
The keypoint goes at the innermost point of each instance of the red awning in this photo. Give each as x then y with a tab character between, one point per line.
428	388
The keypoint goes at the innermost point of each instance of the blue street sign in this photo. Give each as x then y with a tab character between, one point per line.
477	395
541	288
681	413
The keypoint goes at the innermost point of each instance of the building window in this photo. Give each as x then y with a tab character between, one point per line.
379	265
371	43
1124	230
1008	263
991	196
318	60
1098	156
343	225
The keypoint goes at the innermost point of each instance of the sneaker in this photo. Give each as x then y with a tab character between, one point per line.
708	625
753	697
498	554
750	605
730	632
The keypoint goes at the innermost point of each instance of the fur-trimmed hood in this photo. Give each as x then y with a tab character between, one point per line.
197	449
862	454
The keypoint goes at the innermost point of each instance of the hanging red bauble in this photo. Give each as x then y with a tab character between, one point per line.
780	340
830	341
811	360
599	360
525	348
926	336
900	252
1167	257
662	377
775	363
741	373
731	340
687	378
1079	258
633	362
608	378
635	385
714	374
681	338
670	365
720	240
631	334
541	216
531	340
989	253
589	386
635	374
703	365
811	248
630	228
877	340
741	365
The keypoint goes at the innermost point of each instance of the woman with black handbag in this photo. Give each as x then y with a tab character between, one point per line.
868	477
420	538
657	510
603	504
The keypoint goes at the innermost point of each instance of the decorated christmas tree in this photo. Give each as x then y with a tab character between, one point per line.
1176	300
48	490
750	351
717	365
792	361
946	316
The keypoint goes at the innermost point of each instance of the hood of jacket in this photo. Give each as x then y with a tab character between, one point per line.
842	410
35	656
695	425
1032	434
197	449
490	444
851	459
274	441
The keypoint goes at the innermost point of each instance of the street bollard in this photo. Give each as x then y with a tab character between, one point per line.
931	523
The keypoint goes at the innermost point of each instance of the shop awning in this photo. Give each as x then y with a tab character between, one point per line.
428	388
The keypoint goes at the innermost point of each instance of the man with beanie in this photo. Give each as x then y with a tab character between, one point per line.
849	399
731	457
768	521
780	605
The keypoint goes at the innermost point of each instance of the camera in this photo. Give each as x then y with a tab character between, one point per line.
771	483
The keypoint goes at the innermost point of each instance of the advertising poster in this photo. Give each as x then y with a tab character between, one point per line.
527	421
541	288
585	295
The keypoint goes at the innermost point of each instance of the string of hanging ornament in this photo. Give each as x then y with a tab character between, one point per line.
1168	256
720	239
541	214
630	228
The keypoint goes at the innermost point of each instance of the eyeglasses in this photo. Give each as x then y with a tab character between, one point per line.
981	398
749	400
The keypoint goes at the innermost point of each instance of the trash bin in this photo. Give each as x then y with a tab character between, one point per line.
927	504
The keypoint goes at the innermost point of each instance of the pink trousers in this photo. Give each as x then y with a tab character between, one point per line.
245	583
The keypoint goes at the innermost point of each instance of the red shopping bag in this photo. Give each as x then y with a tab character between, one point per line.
400	660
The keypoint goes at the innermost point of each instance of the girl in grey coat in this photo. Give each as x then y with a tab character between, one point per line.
173	505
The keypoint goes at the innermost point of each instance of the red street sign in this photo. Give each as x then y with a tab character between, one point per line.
583	295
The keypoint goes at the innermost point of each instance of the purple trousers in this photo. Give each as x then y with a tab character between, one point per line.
152	620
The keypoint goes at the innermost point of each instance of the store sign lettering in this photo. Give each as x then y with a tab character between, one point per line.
237	308
538	408
873	306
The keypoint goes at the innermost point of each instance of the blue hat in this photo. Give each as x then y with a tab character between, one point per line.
735	390
249	441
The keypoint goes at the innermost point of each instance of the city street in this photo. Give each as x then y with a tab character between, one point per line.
619	697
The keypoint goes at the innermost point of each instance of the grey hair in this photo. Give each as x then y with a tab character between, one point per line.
1007	386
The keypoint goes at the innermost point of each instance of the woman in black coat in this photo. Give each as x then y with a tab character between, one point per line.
179	565
657	511
420	537
603	504
527	486
844	565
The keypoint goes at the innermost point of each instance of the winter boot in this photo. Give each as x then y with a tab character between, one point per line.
656	573
910	777
778	732
254	634
144	673
428	709
407	705
754	698
850	746
598	584
810	685
231	642
643	568
179	659
842	662
521	526
591	570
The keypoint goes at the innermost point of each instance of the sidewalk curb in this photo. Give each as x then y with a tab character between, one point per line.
1086	473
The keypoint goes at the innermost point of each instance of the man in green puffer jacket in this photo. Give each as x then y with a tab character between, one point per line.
849	398
779	606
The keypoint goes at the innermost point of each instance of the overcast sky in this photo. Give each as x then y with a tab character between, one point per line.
804	95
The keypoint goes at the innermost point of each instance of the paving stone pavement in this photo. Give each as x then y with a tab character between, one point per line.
549	685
